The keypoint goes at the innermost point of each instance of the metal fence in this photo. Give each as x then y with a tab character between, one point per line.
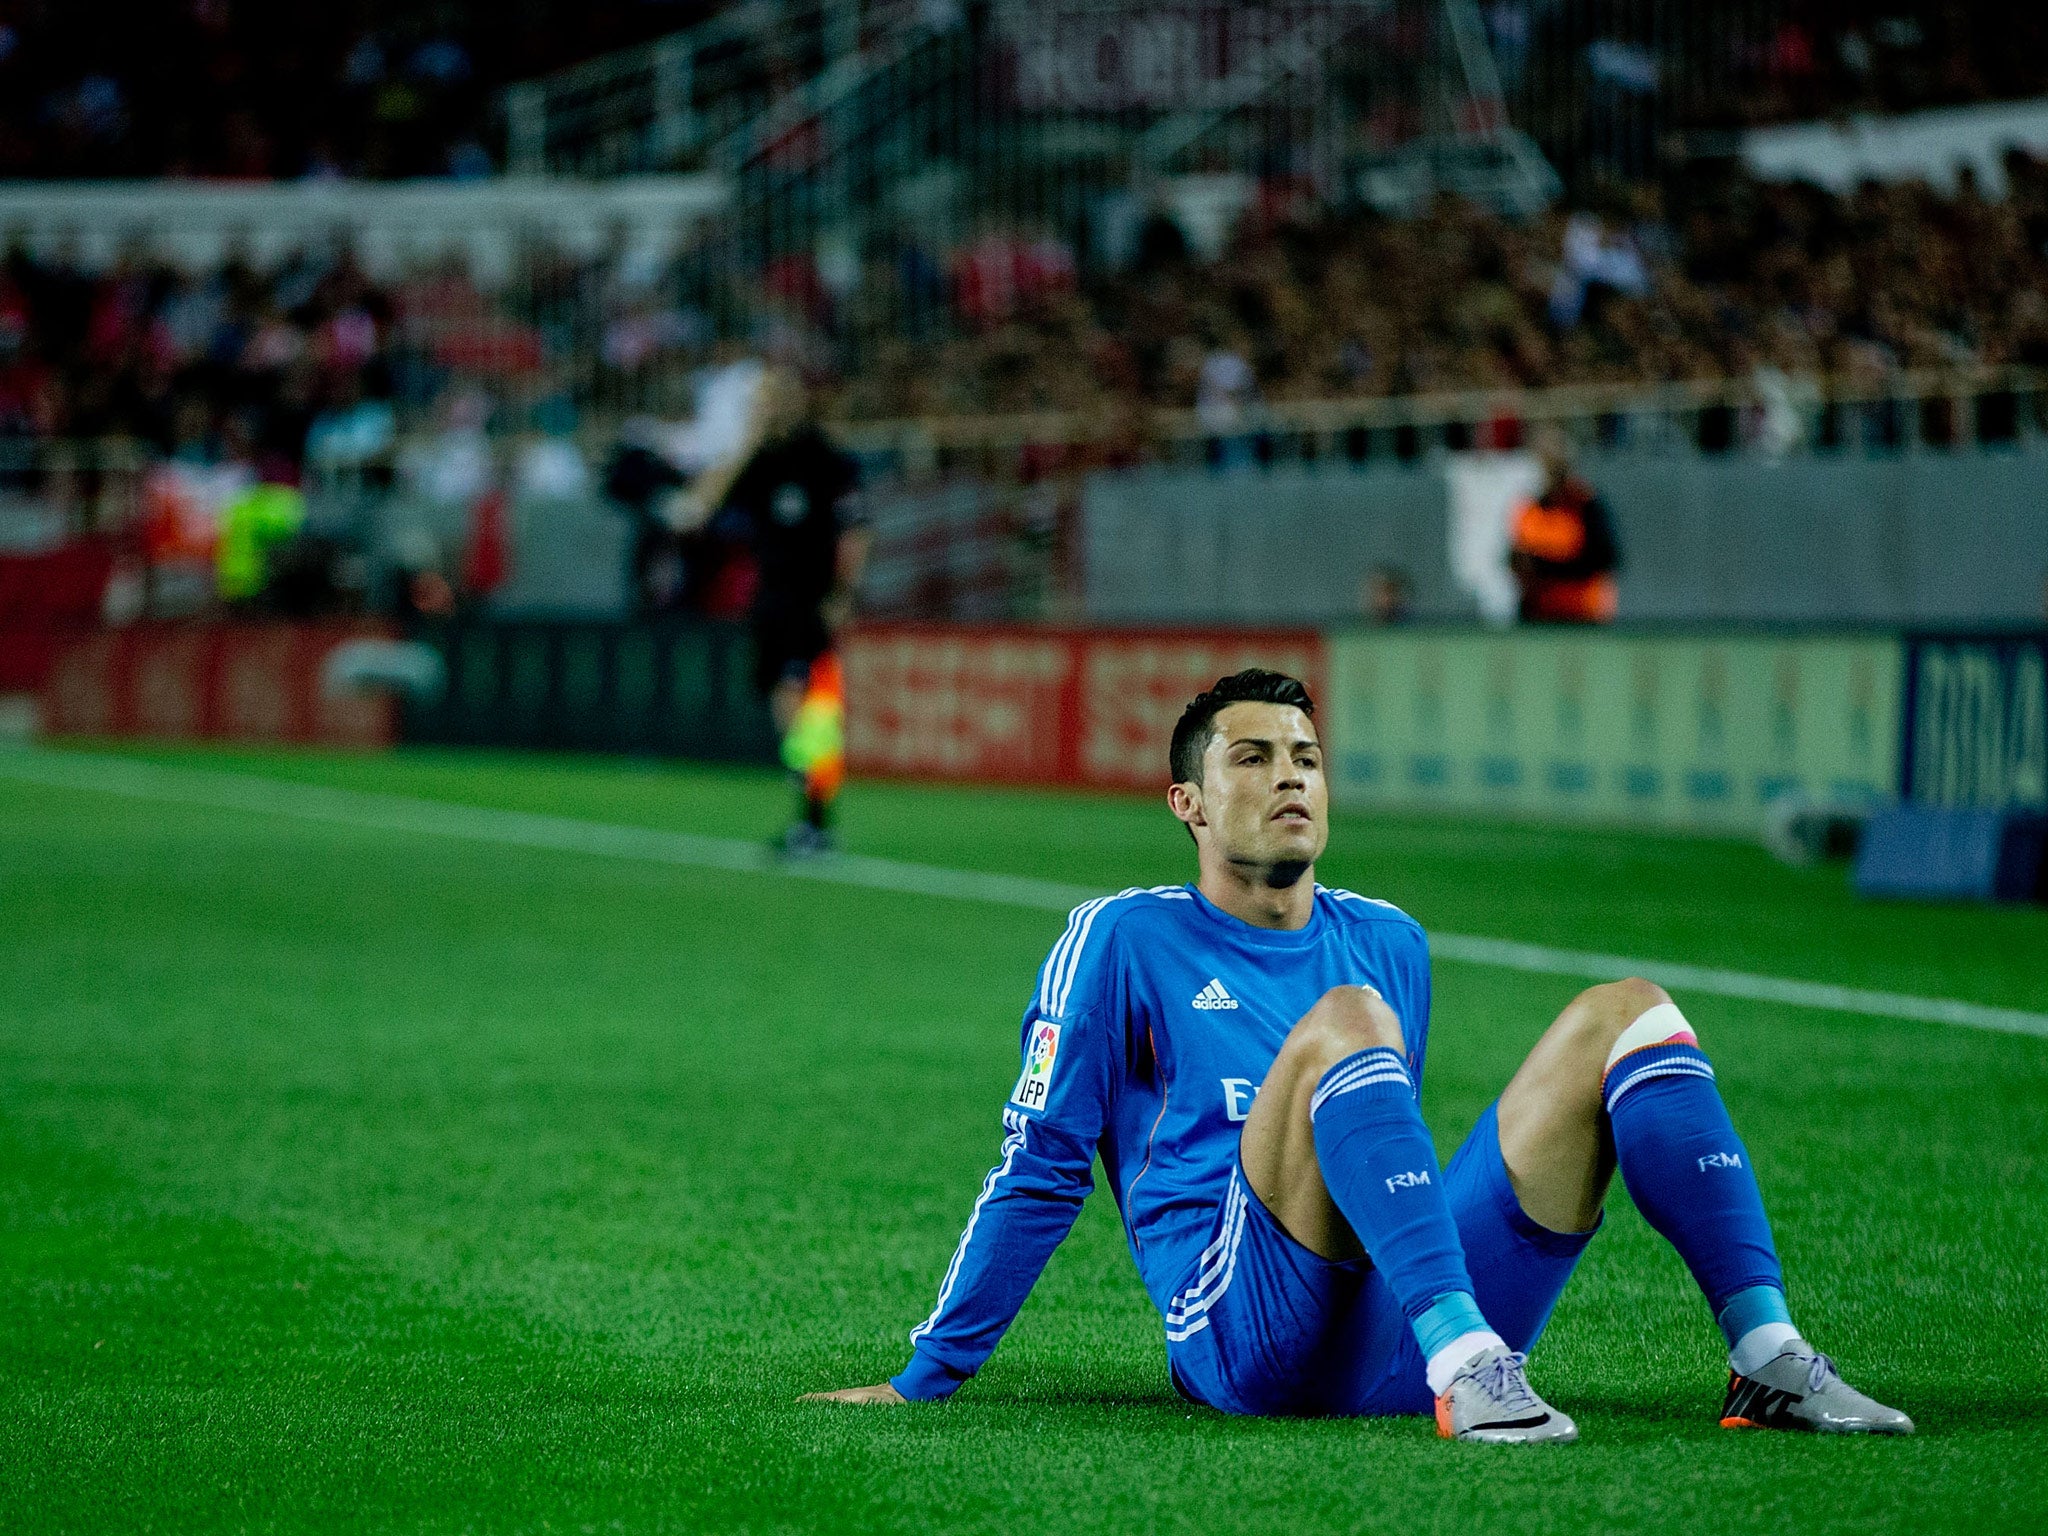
1768	415
869	146
670	104
1605	88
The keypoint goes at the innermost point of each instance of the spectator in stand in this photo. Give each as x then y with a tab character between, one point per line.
217	89
1563	551
1224	397
158	355
1714	276
1387	596
1595	263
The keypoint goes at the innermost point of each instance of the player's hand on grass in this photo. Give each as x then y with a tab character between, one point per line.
881	1392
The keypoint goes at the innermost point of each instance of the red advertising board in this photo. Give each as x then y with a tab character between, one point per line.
985	704
1041	706
220	682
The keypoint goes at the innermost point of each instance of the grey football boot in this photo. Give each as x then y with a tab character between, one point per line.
1490	1401
1802	1390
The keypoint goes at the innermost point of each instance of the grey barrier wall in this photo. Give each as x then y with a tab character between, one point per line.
1914	538
1284	546
570	556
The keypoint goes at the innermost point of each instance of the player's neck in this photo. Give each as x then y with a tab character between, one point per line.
1261	896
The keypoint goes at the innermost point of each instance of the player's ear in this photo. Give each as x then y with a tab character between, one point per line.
1186	802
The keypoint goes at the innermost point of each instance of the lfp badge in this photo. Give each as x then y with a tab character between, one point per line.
1040	1051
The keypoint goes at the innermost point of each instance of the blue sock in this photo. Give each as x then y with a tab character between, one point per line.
1757	1325
1448	1319
1689	1174
1380	1167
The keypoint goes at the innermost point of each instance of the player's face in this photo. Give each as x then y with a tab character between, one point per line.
1263	795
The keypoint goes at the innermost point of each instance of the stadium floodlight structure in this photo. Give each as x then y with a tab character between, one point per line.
899	133
659	106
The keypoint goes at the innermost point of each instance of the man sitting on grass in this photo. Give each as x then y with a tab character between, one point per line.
1245	1055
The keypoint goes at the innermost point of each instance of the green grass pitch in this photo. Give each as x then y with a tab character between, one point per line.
352	1181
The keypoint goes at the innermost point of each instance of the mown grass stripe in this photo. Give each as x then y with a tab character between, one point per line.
214	790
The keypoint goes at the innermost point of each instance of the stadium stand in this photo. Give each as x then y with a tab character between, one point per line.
1262	304
215	88
1722	277
380	89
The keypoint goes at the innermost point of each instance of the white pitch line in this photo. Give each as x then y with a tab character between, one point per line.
214	790
1764	989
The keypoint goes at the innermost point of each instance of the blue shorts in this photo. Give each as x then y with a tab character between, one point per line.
1265	1326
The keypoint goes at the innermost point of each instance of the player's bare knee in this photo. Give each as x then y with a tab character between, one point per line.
1598	1015
1345	1021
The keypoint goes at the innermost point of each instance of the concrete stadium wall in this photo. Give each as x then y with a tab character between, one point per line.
1286	546
1917	538
1921	537
389	224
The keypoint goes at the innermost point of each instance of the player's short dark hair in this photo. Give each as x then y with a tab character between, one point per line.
1197	724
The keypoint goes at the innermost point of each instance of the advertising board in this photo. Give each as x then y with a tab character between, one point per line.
679	687
1976	722
217	682
1036	706
1674	730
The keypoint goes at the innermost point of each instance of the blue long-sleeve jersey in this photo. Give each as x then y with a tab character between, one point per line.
1156	1018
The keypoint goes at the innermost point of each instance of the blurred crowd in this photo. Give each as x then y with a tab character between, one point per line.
184	413
1715	276
231	362
231	88
235	386
1719	67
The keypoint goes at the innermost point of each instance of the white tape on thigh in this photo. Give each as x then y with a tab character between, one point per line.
1656	1026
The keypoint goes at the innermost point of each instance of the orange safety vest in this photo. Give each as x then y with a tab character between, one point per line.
1556	531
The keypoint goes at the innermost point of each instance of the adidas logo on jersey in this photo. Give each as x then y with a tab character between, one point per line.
1213	996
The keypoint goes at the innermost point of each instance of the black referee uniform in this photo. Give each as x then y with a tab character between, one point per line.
799	494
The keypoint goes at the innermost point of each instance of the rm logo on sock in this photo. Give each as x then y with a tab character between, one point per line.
1720	1160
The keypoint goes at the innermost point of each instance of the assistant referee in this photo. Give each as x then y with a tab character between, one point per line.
799	497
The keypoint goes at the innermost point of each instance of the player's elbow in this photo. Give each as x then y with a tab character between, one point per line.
1069	1192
